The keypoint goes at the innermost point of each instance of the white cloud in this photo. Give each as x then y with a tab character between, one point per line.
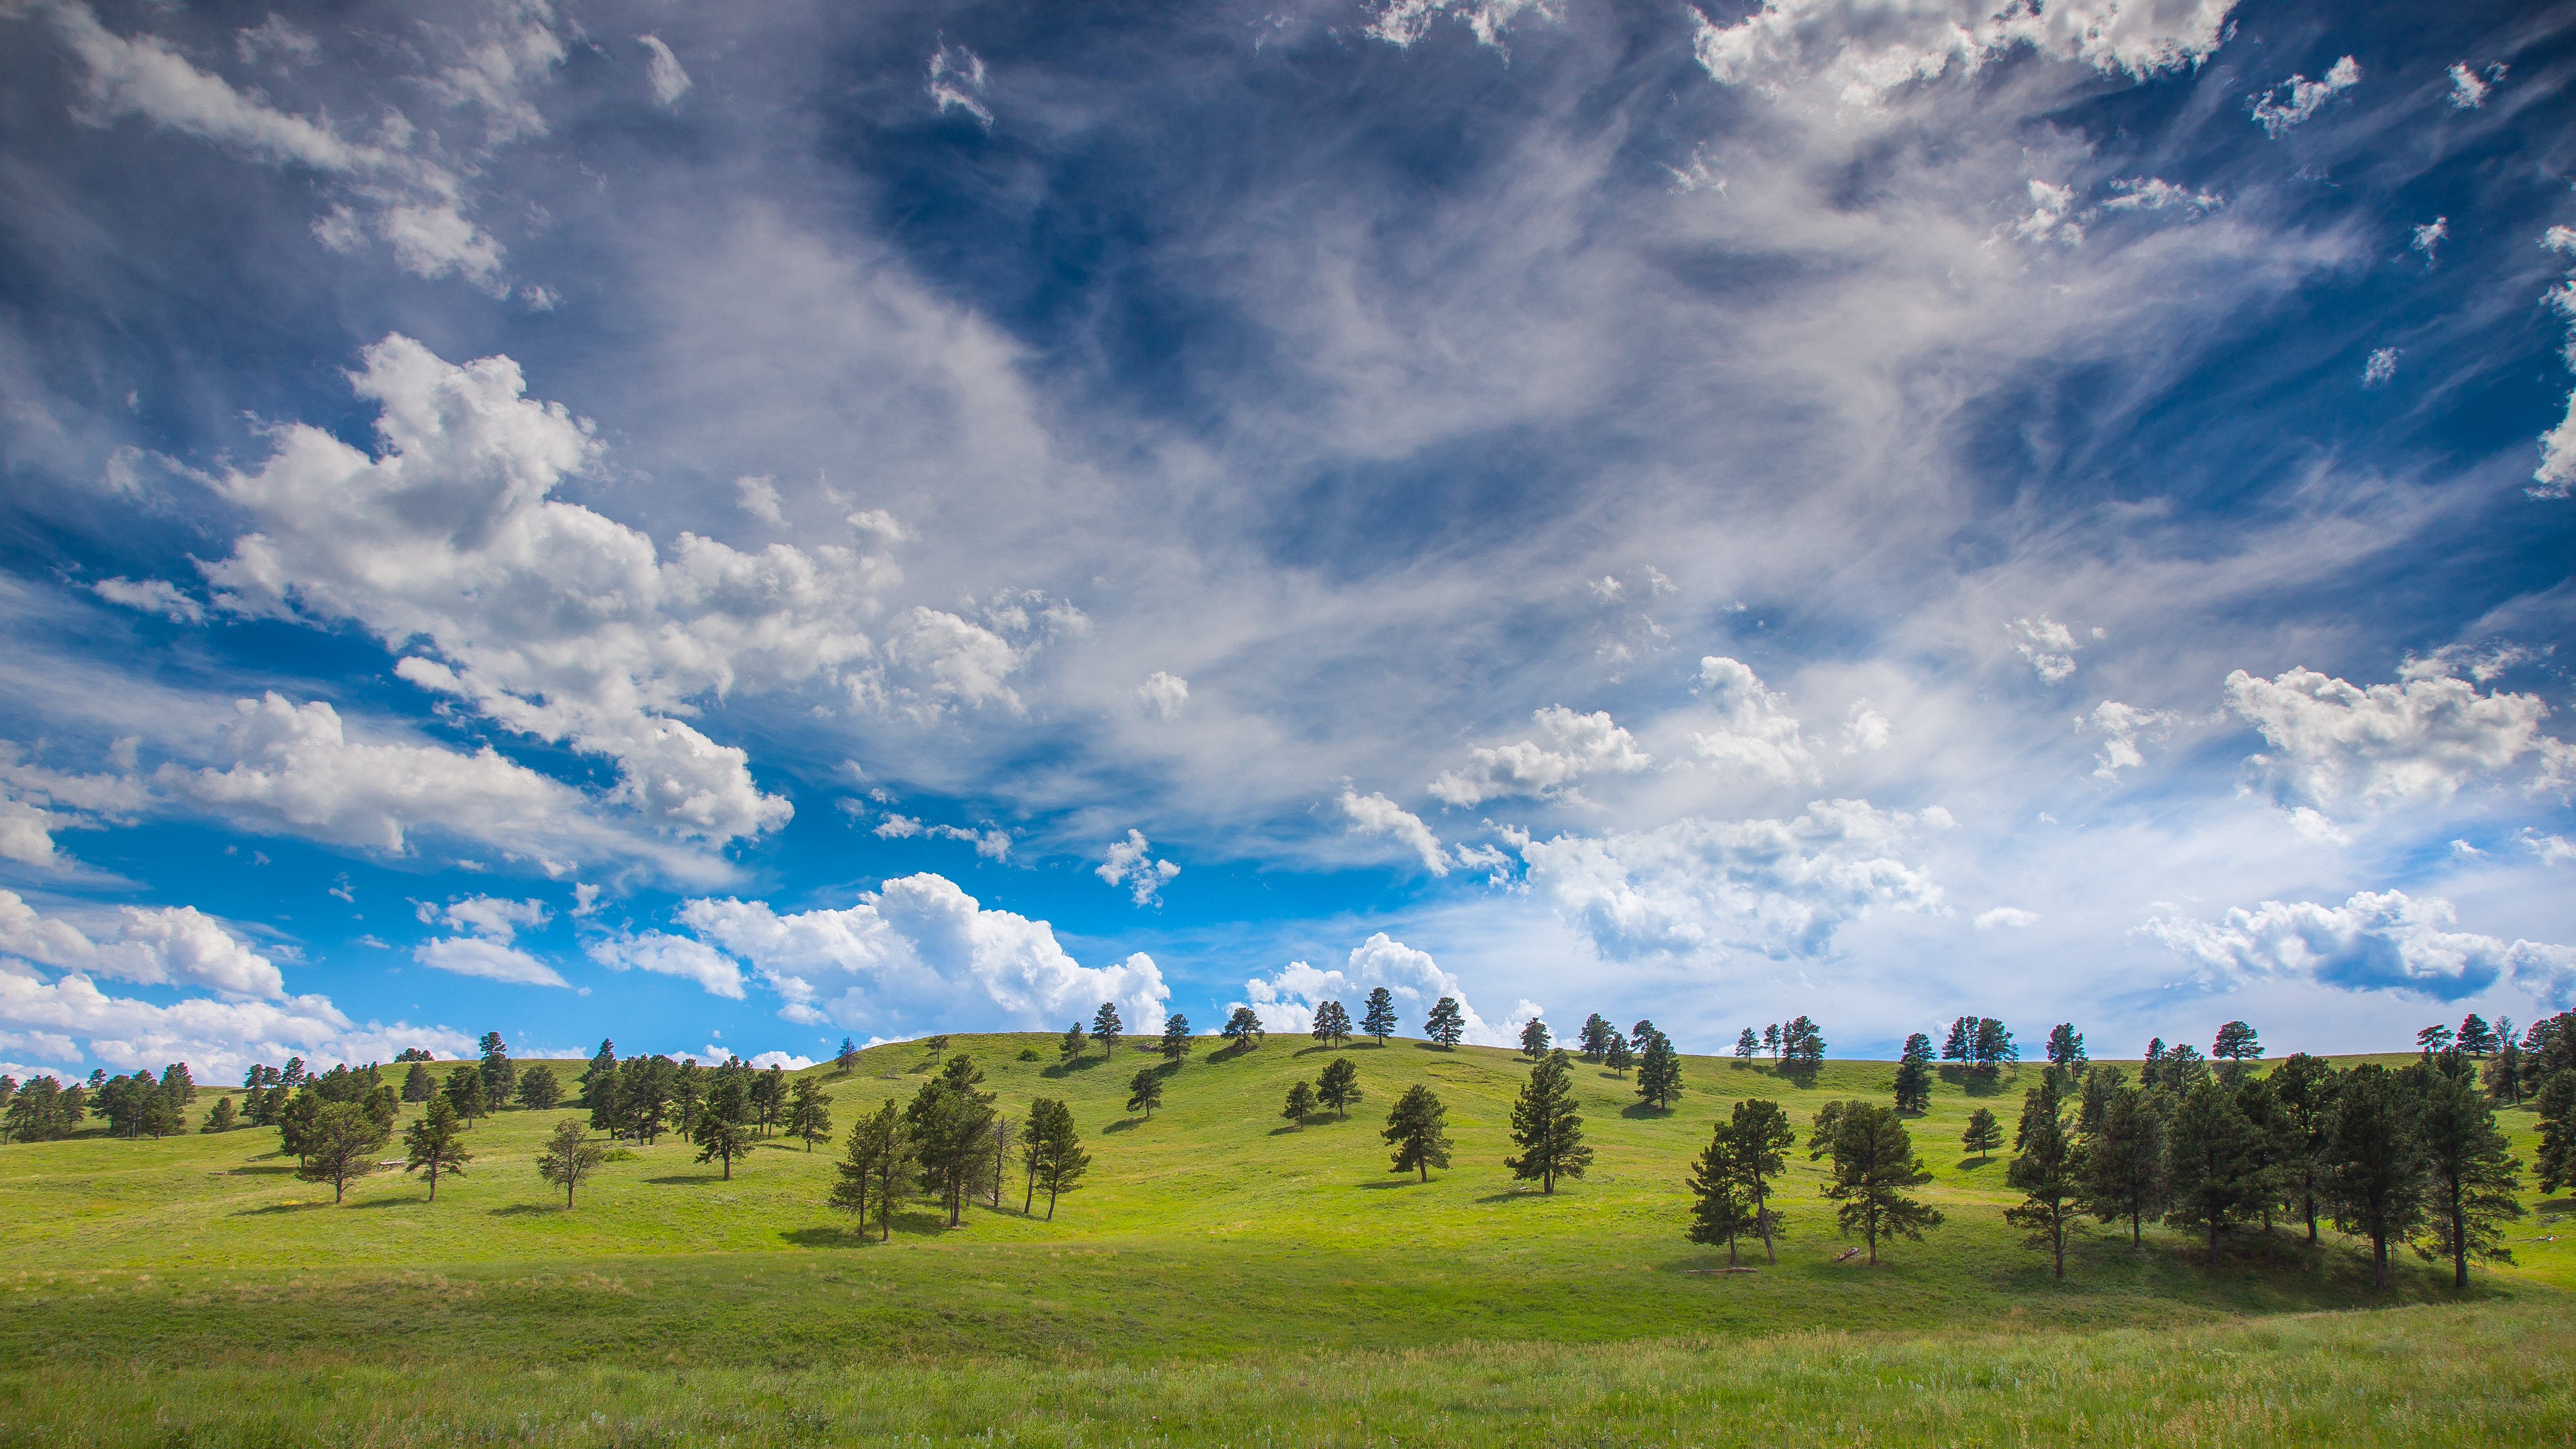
36	801
2551	849
164	946
493	960
152	596
992	844
2556	475
2430	236
2049	220
2047	646
489	916
897	827
2382	365
1865	730
957	82
2151	193
1374	814
216	1038
759	498
2421	739
918	953
2006	917
1163	694
1861	53
1699	888
2372	942
1583	744
2468	90
275	37
1754	730
789	1060
667	955
1130	864
2296	99
1402	22
2122	726
1286	1001
669	81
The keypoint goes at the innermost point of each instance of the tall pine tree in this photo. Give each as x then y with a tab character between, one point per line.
1380	1019
1418	1129
1547	1127
2474	1175
1873	1167
2048	1169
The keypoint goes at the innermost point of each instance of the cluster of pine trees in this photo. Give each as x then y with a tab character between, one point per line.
950	1143
141	1105
1796	1044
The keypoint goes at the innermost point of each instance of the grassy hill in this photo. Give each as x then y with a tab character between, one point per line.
1212	1237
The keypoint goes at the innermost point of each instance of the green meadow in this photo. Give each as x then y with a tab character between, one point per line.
1220	1276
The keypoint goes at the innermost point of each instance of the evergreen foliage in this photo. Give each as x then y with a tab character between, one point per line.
1418	1128
464	1092
418	1085
947	1119
1873	1167
1379	1020
1802	1044
1332	1024
1983	1135
2215	1179
2123	1170
1145	1092
1446	1023
569	1158
2376	1169
846	1060
2473	1175
539	1089
1595	1039
1534	1038
1547	1127
2066	1047
873	1168
1914	1075
1339	1086
1073	1043
1659	1072
434	1143
1300	1104
500	1075
339	1145
2048	1168
221	1119
1106	1028
719	1139
2303	1088
1176	1037
2236	1045
2555	1162
1617	1057
1243	1029
1746	1044
809	1112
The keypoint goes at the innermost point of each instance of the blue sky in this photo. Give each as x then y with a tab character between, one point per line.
728	527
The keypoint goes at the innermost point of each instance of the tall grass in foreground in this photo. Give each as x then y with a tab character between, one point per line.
2434	1375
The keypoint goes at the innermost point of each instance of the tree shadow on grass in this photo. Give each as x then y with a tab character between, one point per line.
1078	1064
273	1209
1978	1081
686	1177
1512	1194
1166	1070
258	1171
377	1202
1644	1111
524	1210
1124	1124
1972	1164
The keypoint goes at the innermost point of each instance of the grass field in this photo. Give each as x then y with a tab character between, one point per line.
1221	1269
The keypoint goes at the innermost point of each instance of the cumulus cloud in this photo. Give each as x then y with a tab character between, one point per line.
2006	918
2046	645
36	801
1754	731
1865	730
1286	1001
1131	864
1861	54
2294	100
491	916
2417	740
957	82
1579	744
2468	89
2049	219
1374	814
2121	727
152	596
1163	694
493	960
918	954
2373	942
164	946
1697	889
669	81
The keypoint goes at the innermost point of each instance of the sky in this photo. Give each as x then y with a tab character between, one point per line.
732	527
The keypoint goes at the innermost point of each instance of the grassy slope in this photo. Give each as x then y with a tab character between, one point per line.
1211	1230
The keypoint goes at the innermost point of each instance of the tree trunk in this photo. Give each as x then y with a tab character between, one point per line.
1052	1184
1762	1215
2213	1240
2459	1243
727	1159
2057	1228
1032	1197
2136	1237
2308	1200
2378	1257
433	1182
568	1186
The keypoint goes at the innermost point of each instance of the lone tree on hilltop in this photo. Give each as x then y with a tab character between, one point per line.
340	1146
2236	1045
1300	1105
2474	1176
1659	1072
1074	1041
873	1167
1332	1024
1595	1039
2476	1037
809	1112
1176	1037
1145	1092
1379	1020
1242	1029
1746	1044
1445	1024
1984	1133
1618	1058
433	1144
1419	1130
2066	1047
1106	1028
2433	1039
1534	1038
2378	1173
1873	1166
847	1061
1546	1126
1339	1086
2048	1170
1802	1044
1914	1075
569	1158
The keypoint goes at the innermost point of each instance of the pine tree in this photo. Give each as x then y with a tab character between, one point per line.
1418	1128
1618	1058
433	1144
2304	1086
1339	1086
2124	1156
1074	1041
1145	1092
1176	1037
2236	1045
569	1158
1242	1029
1106	1028
1721	1208
769	1098
873	1167
2476	1037
1445	1024
1595	1039
2377	1173
1332	1024
809	1112
2049	1171
500	1074
340	1146
2433	1040
1873	1165
720	1139
1746	1045
2066	1047
464	1092
221	1119
1984	1133
2504	1071
1547	1127
847	1061
418	1085
1065	1160
1534	1038
1659	1072
1961	1042
539	1091
947	1119
1771	1041
2556	1161
1762	1134
1380	1019
1802	1044
1991	1047
1300	1105
1914	1075
2474	1175
2215	1180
